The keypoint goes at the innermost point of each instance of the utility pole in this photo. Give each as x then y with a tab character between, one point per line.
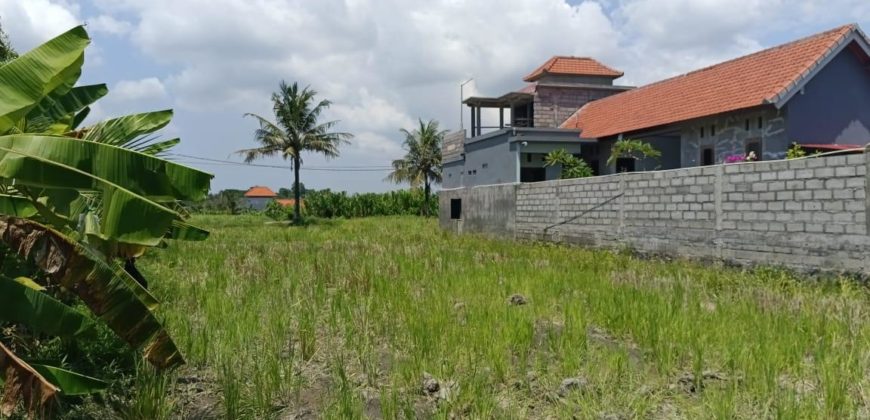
462	98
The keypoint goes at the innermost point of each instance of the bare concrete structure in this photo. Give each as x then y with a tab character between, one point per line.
808	214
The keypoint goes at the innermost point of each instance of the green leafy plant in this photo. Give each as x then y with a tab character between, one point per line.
78	205
421	166
795	151
572	167
296	129
633	149
276	211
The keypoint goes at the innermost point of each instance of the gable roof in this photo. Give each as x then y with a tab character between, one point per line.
260	191
572	66
770	76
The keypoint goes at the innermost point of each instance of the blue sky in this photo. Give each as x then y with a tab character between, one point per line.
382	63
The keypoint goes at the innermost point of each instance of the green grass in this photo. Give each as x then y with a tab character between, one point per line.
343	319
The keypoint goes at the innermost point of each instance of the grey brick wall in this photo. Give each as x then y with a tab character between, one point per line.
809	214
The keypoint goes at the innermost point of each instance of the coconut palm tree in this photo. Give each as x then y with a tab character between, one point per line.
421	165
296	129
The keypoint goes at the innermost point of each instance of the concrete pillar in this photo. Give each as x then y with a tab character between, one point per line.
620	203
867	190
717	205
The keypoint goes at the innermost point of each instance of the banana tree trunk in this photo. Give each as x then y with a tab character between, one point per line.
297	194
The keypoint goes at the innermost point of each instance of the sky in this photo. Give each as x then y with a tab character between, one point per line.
384	64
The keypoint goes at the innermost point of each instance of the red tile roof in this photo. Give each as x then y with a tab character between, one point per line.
831	146
572	66
260	191
741	83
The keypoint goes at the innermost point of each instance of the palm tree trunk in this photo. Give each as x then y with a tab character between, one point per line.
426	190
297	194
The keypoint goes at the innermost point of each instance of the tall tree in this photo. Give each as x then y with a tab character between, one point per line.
7	53
296	129
421	165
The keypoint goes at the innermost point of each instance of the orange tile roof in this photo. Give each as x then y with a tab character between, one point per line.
741	83
260	191
575	66
288	202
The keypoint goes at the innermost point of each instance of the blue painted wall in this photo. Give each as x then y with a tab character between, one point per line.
835	105
488	161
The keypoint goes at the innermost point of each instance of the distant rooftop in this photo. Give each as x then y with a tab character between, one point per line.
572	66
260	191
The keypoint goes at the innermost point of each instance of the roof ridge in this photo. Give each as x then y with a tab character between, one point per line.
850	26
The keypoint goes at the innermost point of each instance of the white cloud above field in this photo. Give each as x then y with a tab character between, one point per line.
385	63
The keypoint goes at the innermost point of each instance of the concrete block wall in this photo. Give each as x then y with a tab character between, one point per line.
808	214
487	209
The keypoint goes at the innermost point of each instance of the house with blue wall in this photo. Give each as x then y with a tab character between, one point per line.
813	91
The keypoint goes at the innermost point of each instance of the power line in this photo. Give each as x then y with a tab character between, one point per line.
285	168
349	168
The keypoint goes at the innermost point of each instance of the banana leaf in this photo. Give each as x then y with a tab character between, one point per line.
183	231
80	117
28	282
39	311
123	130
57	107
22	382
159	147
26	80
123	178
14	205
109	291
70	383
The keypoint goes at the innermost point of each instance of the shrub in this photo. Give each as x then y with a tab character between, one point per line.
795	151
635	149
572	167
274	210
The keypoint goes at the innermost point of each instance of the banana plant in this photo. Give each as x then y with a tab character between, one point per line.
78	204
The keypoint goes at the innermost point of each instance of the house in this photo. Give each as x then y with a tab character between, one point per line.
513	149
813	91
258	197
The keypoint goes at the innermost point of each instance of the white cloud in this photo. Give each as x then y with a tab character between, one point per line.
110	25
149	88
32	22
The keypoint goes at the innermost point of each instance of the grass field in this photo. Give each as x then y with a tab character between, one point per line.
390	317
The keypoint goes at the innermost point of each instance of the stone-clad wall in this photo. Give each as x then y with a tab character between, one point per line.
452	147
809	214
553	105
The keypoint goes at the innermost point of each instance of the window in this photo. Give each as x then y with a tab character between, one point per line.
760	123
707	156
533	174
747	125
625	165
455	208
702	132
485	165
528	157
713	130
